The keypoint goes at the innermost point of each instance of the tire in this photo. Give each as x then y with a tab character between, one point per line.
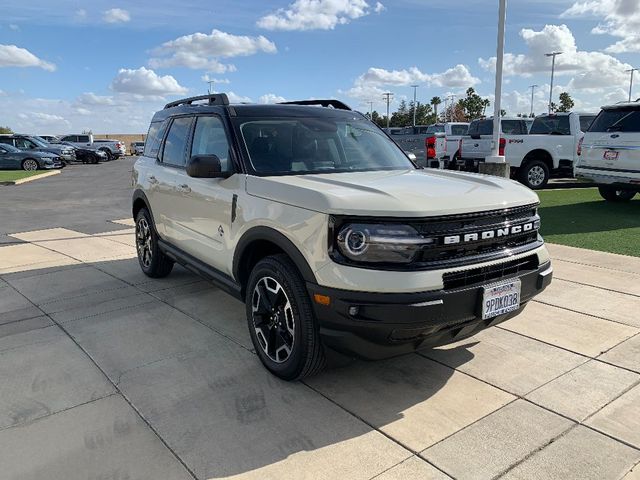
281	322
534	174
153	262
95	160
29	164
612	194
108	152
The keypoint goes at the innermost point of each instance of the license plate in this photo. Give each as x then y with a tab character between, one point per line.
500	298
610	155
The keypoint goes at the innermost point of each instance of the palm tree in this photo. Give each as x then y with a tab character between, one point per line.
435	101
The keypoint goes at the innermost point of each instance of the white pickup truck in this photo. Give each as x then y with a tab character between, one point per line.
113	148
447	145
549	146
432	145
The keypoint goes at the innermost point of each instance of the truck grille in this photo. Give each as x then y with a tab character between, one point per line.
470	238
482	275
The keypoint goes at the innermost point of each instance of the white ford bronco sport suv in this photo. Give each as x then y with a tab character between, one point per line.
331	236
609	153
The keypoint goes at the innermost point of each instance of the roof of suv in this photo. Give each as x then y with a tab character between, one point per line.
635	104
216	102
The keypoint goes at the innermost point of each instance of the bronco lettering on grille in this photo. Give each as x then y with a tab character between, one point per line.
489	234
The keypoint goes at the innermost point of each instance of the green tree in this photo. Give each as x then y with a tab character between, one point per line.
401	117
5	130
503	112
566	102
485	104
434	102
473	104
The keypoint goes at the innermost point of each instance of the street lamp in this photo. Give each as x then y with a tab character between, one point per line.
415	89
532	87
553	67
387	97
631	80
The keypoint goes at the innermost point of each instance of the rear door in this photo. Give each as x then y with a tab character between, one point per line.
613	141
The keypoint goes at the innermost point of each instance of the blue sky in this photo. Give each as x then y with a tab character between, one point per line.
68	66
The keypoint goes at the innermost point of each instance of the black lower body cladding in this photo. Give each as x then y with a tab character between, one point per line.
380	325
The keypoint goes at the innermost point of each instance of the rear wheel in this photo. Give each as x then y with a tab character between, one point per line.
282	325
534	174
613	194
153	262
29	164
108	152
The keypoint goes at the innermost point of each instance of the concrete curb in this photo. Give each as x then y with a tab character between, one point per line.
31	179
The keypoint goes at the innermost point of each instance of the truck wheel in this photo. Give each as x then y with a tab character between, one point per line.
534	174
282	325
612	194
108	152
153	262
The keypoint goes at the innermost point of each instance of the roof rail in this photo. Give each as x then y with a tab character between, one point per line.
213	99
337	104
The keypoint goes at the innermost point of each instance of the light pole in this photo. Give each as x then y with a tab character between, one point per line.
495	147
631	80
370	110
452	107
532	87
553	67
211	83
415	89
387	97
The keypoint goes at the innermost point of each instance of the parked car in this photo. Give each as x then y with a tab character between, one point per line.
548	147
12	158
137	148
447	145
89	155
113	148
116	148
37	144
609	152
415	140
329	234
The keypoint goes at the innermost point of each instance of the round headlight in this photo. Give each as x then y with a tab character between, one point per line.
355	241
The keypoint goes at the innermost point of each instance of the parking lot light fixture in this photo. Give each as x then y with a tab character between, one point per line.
415	89
532	87
502	14
553	67
631	80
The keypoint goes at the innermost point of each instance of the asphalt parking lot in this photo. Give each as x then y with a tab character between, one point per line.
107	374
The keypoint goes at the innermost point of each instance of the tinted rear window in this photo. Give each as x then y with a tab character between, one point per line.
514	127
435	129
551	126
618	120
459	129
481	127
586	121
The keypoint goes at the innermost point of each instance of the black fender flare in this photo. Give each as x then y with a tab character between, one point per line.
138	194
271	235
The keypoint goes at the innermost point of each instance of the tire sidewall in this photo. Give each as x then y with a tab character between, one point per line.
524	176
143	213
290	368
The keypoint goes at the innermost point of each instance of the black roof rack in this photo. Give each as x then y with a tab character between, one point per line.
337	104
213	99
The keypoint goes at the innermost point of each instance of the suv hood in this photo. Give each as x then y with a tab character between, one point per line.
398	193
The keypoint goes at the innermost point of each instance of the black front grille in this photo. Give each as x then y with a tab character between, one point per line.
482	275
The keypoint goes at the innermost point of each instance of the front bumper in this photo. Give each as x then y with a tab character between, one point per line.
390	324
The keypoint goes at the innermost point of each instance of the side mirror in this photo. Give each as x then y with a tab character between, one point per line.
412	156
206	166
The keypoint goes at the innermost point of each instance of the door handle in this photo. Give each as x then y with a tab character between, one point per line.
153	180
184	188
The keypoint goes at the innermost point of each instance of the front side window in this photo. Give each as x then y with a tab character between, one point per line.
24	144
318	145
174	151
551	125
210	138
154	138
513	127
618	120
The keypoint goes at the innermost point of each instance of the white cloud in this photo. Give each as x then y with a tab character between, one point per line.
91	98
13	56
83	111
235	98
317	14
43	119
216	81
370	84
203	51
621	18
590	69
145	82
116	15
271	98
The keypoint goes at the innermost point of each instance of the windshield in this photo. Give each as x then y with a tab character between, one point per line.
618	120
435	129
292	146
39	141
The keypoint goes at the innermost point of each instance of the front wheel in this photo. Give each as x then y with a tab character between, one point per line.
29	165
612	194
534	174
153	262
282	325
108	152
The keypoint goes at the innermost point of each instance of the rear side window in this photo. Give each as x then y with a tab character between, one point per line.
551	125
618	120
175	145
514	127
83	138
459	129
7	140
481	127
154	137
69	138
586	121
